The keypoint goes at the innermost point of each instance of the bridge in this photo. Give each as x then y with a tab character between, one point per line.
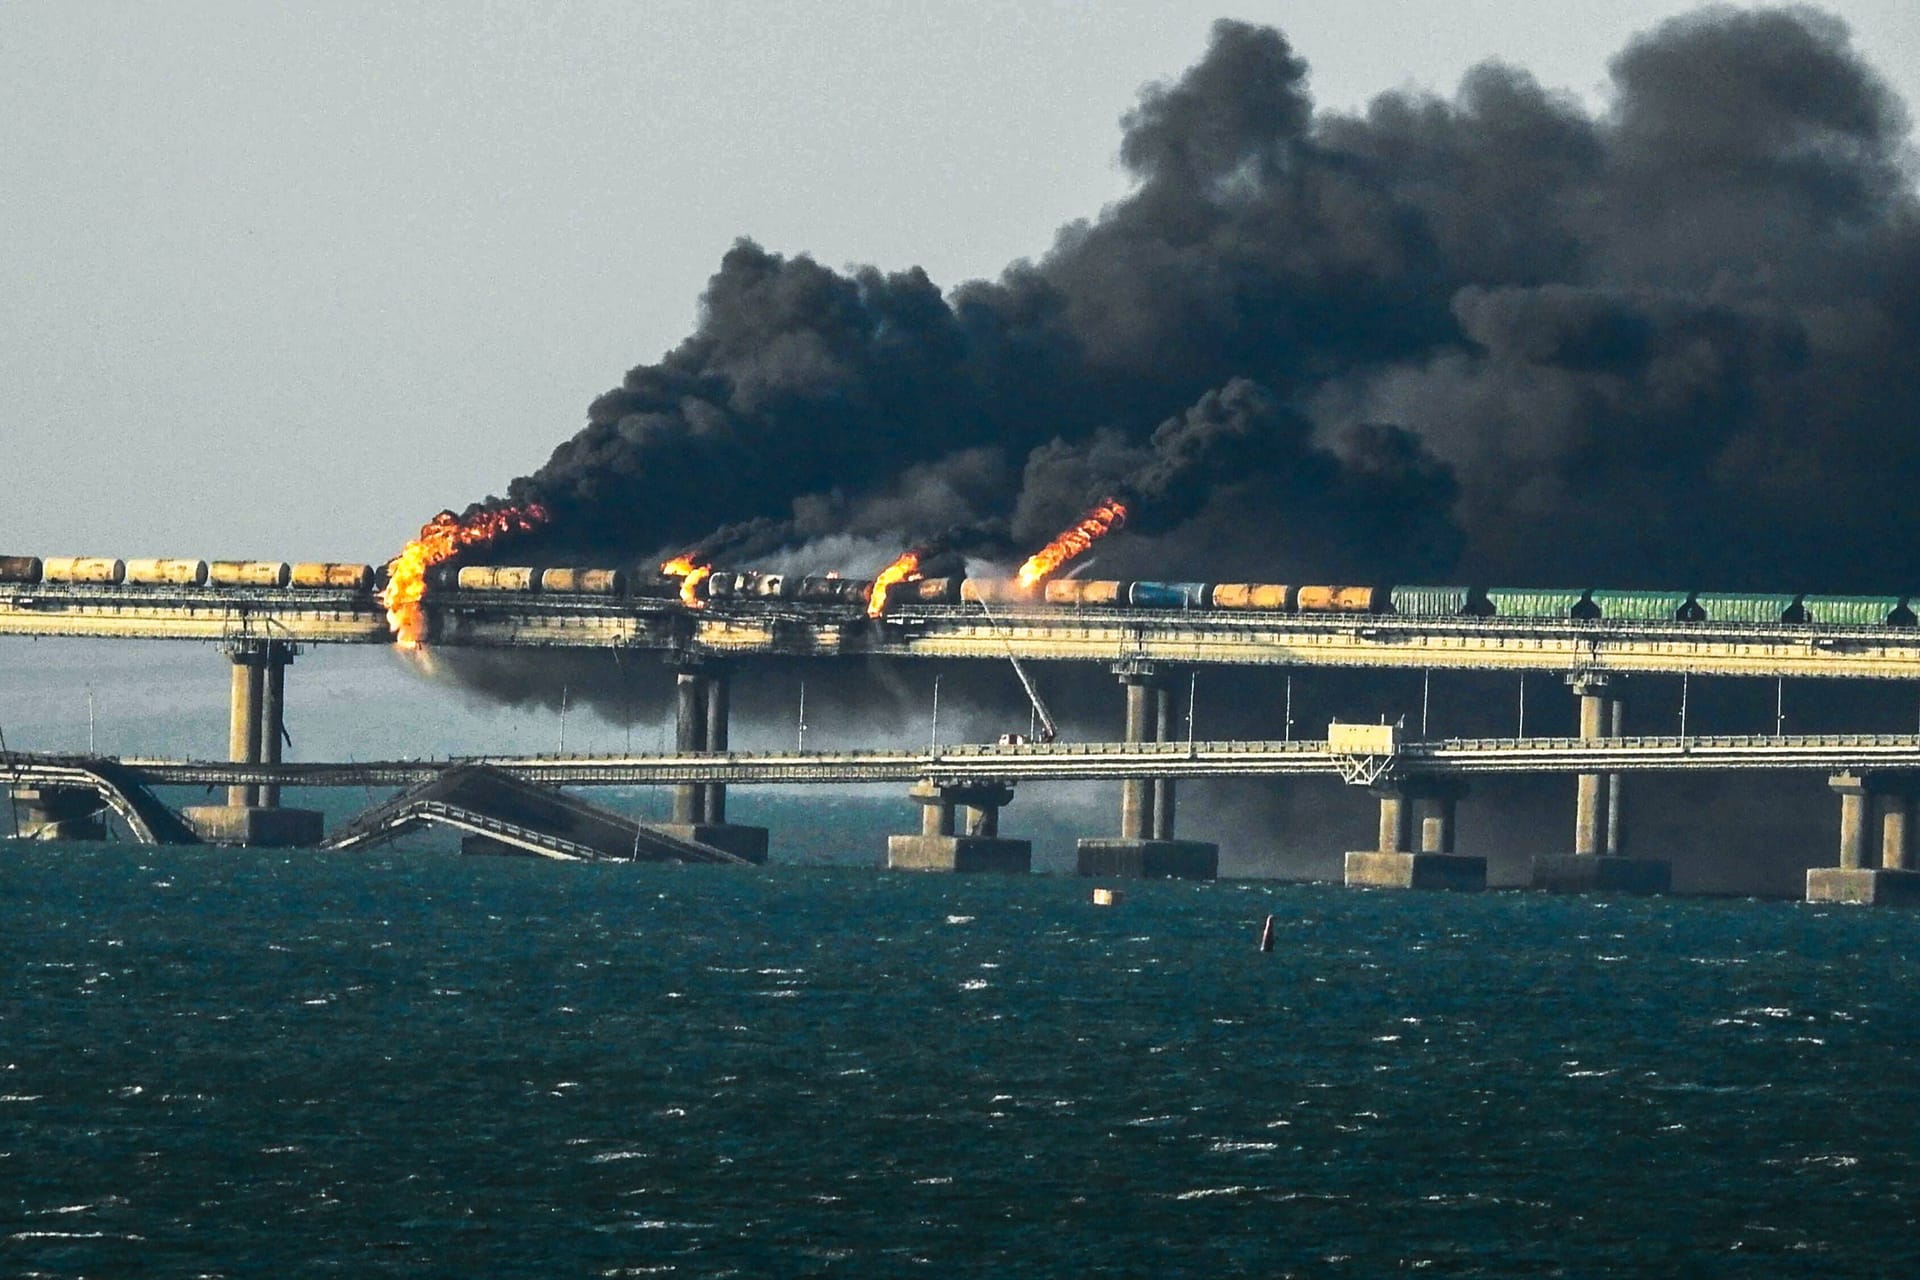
974	763
261	629
469	619
514	803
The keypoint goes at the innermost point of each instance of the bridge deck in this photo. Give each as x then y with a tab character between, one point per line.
1207	637
507	810
1055	762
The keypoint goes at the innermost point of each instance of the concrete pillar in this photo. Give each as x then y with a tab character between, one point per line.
983	820
1857	880
1419	809
1590	799
1136	794
273	716
1437	822
1145	846
243	716
936	809
702	707
976	845
1597	863
1163	797
1896	833
718	700
1617	728
1854	809
690	736
256	723
1395	820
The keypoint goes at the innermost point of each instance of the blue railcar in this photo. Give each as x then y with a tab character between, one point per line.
1169	595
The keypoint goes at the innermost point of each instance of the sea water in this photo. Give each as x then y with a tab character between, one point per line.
413	1063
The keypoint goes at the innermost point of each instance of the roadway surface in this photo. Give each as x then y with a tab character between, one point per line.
1056	762
1201	637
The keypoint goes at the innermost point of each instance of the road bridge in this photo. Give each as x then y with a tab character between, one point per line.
1875	775
1047	762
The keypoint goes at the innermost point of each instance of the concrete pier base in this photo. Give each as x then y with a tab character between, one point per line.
58	813
255	826
1371	869
1864	886
1598	873
1148	859
736	838
960	853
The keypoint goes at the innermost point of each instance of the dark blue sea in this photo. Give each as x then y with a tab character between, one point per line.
263	1064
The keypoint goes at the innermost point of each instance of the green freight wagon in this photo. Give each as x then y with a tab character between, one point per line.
1430	602
1533	602
1639	606
1844	611
1724	606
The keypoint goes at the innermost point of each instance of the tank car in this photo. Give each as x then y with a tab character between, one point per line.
1169	595
1339	599
172	573
26	569
1086	591
926	591
496	577
249	573
316	575
1268	596
997	591
92	570
827	590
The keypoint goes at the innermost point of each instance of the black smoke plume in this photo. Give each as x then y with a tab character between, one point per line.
1666	343
1495	336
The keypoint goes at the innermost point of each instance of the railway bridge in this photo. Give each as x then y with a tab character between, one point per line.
261	628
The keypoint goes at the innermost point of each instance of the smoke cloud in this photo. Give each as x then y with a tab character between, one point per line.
1491	335
1495	336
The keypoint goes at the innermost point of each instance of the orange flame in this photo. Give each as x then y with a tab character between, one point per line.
1104	519
905	569
441	538
691	575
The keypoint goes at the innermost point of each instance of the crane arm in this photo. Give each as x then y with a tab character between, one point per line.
1048	729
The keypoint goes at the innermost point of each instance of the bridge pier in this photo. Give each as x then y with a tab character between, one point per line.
1894	882
960	831
59	813
1599	863
256	731
1147	847
1421	810
702	706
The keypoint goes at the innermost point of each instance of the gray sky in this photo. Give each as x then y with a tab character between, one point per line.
284	279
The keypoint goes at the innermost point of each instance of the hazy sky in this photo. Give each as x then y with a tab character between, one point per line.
284	279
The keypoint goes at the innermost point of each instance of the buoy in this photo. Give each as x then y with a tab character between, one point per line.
1266	936
1107	897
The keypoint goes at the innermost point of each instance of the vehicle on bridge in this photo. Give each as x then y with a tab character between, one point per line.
749	589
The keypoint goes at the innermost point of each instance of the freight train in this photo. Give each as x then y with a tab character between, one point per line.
108	571
727	589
